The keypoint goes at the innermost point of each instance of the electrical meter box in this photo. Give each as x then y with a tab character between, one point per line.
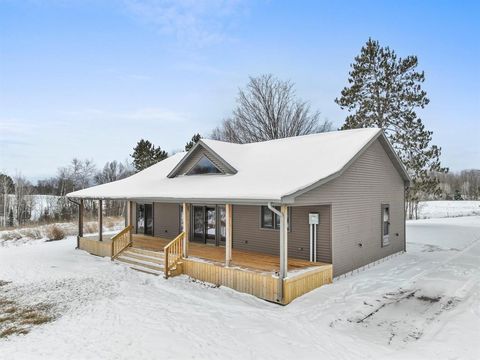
313	218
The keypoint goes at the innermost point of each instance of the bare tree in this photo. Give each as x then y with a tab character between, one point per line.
24	202
113	171
269	109
6	187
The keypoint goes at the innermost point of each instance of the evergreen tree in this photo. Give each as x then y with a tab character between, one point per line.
458	195
10	218
385	91
191	143
145	154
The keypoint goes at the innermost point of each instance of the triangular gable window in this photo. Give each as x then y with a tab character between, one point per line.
204	166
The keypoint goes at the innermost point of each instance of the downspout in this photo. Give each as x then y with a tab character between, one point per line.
283	273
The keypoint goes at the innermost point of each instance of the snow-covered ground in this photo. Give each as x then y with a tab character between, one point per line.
424	304
450	208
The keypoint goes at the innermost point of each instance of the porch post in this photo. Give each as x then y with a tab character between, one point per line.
228	234
186	228
284	242
80	222
129	218
100	220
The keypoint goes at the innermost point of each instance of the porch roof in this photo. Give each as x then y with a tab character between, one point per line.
275	170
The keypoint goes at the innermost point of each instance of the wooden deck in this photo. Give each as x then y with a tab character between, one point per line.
249	272
253	261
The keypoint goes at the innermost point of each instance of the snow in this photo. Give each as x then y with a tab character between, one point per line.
289	169
444	208
424	304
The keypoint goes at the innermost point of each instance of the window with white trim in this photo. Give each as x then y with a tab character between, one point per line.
385	225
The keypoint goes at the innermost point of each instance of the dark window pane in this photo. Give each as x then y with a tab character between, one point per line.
204	166
140	218
277	219
386	221
267	218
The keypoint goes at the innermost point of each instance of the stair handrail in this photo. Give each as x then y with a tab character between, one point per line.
173	253
121	241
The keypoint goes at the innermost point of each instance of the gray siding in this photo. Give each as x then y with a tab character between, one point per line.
195	156
356	198
166	220
248	235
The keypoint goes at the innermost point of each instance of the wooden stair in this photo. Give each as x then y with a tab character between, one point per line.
147	261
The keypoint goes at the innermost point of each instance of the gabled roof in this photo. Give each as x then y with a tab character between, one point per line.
275	170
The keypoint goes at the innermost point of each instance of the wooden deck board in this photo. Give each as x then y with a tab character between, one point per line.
245	259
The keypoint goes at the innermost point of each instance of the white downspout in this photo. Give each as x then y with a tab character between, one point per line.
283	251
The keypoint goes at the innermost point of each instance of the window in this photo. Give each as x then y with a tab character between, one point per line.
270	220
385	225
204	166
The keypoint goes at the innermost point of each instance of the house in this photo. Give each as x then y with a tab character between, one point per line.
275	219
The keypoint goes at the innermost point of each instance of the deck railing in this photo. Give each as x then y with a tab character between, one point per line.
173	253
121	241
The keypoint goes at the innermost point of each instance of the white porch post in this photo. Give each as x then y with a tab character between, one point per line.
129	217
284	242
186	228
228	234
100	220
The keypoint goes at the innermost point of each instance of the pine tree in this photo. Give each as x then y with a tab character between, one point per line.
385	91
10	218
145	154
191	143
458	195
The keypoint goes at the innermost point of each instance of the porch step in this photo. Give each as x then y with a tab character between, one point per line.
144	258
149	262
150	253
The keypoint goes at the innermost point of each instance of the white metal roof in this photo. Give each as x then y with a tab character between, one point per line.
266	171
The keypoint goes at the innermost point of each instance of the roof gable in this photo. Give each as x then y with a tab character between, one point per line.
198	151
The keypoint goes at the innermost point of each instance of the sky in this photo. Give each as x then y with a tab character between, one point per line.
89	79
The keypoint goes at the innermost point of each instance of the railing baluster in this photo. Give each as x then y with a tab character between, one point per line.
173	252
121	241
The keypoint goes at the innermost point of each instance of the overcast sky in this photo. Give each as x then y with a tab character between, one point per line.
88	79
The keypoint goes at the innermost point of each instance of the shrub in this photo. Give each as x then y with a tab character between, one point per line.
11	235
32	233
109	223
91	227
54	232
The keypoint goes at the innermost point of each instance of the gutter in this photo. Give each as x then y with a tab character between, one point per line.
283	251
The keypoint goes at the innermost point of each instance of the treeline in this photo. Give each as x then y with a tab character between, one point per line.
22	202
462	185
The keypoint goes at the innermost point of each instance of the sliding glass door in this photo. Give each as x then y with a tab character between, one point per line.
145	219
208	224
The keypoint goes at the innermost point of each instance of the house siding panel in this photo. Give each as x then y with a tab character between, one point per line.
248	235
166	220
356	198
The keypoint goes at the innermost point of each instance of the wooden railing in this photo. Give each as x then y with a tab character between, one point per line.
121	241
173	252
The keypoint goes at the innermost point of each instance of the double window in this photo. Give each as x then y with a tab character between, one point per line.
385	225
270	220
